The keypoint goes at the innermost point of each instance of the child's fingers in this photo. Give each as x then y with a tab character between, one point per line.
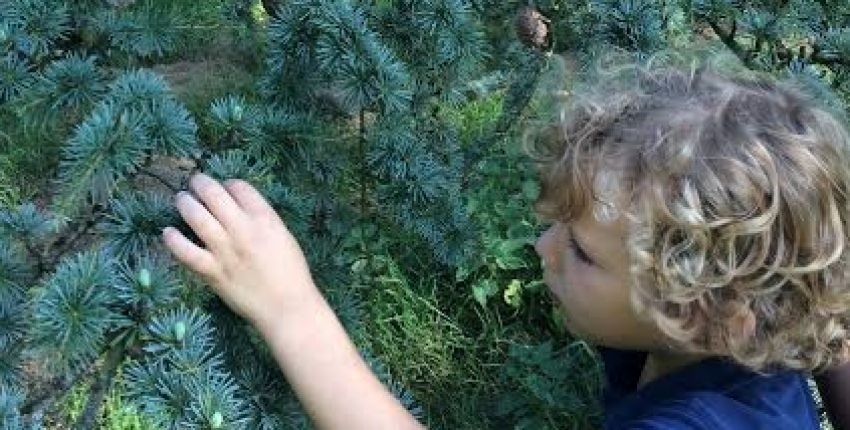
192	256
248	198
202	222
218	201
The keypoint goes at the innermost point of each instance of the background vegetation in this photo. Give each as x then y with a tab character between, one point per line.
386	133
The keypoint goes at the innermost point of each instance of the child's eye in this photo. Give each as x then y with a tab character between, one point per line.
582	256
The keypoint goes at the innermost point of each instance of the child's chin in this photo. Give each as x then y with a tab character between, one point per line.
575	329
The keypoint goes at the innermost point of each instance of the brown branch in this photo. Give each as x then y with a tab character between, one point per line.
734	29
728	39
67	243
160	179
101	385
817	58
38	255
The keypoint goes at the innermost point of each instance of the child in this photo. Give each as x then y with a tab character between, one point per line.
699	236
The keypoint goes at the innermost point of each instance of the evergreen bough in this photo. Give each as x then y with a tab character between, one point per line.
351	139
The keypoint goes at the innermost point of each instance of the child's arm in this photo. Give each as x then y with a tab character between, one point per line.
257	267
834	386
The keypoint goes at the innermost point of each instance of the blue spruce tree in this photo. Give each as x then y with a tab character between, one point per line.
350	139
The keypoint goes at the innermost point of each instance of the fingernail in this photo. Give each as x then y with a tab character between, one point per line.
201	176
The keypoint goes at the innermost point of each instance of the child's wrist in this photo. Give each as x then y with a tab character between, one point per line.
289	312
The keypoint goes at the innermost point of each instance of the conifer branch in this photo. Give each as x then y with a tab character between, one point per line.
728	39
94	404
67	242
37	254
159	178
831	61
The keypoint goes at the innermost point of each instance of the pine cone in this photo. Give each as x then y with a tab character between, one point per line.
533	29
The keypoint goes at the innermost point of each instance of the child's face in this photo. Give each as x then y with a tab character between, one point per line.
586	268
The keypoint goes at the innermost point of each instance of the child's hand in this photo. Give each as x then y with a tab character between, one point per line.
255	265
251	260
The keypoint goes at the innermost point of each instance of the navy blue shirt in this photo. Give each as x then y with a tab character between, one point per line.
713	394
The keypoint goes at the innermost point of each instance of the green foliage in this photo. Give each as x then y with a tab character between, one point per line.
37	25
181	382
386	136
147	285
105	149
69	86
149	30
14	77
10	418
632	24
408	165
25	224
407	325
234	122
74	311
362	68
550	387
134	223
13	277
138	116
118	414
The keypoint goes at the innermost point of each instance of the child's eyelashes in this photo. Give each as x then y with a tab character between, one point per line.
579	253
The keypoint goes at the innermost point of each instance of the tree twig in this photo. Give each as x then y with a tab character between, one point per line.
66	243
38	255
817	58
728	39
101	385
160	179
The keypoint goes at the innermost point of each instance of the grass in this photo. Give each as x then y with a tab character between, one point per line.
198	83
425	348
115	415
25	156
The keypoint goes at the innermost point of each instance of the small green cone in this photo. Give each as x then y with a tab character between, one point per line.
217	420
237	113
180	330
145	278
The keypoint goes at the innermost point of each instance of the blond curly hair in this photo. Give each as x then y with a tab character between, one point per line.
736	189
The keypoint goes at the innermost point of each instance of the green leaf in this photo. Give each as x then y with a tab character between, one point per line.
508	254
359	265
530	189
467	268
483	290
513	293
535	285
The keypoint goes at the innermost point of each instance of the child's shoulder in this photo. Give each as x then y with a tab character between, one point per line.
711	394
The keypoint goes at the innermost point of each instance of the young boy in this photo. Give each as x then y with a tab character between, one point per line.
699	236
